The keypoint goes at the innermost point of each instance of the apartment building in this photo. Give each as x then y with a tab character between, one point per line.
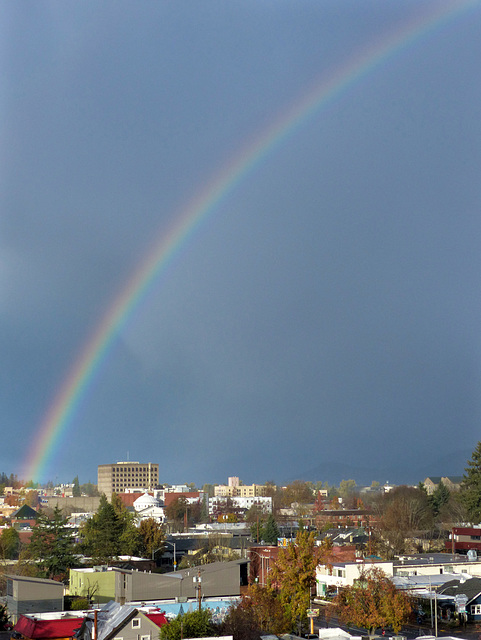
217	503
240	491
121	477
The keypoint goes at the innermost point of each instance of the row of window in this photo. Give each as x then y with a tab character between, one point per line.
130	469
136	473
137	485
131	475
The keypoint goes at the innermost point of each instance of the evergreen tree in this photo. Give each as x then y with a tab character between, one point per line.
52	544
111	532
9	543
100	536
130	539
204	511
471	486
76	488
270	531
439	498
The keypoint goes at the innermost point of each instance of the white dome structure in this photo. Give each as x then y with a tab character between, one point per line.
145	501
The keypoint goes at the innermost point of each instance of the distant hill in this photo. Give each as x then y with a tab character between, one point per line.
333	472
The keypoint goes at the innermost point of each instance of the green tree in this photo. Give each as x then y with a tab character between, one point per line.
372	602
439	498
10	544
101	534
89	490
52	545
294	574
204	510
130	540
80	604
111	532
152	537
270	531
209	490
76	488
471	486
194	624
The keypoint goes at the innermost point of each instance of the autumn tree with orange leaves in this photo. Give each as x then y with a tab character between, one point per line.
294	573
259	612
371	602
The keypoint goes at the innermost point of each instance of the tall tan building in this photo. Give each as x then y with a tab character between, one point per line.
239	490
123	476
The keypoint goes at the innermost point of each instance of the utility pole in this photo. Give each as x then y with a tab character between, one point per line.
198	584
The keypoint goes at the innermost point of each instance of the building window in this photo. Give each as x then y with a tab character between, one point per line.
144	637
136	623
476	609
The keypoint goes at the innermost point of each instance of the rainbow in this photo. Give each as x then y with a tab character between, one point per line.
82	374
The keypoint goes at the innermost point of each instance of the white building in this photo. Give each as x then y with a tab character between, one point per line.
342	574
218	502
147	506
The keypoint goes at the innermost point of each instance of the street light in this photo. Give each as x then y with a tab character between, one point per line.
263	572
155	551
175	556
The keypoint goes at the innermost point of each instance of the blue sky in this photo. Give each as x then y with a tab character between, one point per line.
324	322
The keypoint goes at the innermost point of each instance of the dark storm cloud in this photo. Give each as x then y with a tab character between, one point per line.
326	313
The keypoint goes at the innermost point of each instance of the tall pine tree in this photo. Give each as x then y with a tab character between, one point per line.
110	532
270	531
76	493
52	545
471	486
101	534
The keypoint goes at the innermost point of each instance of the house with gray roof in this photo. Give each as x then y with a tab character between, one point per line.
123	622
471	588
